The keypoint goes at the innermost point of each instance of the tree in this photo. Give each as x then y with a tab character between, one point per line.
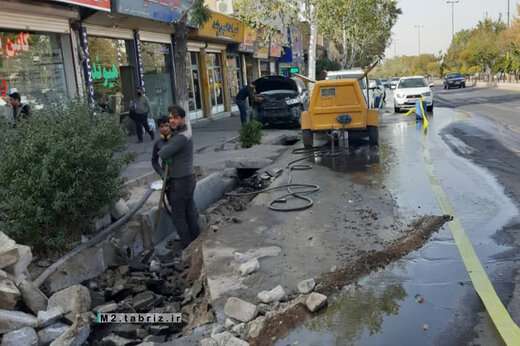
197	15
424	64
363	35
478	49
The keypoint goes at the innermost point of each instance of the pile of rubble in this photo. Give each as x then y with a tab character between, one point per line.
246	321
69	316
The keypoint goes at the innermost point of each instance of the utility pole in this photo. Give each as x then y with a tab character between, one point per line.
452	3
395	48
508	13
418	27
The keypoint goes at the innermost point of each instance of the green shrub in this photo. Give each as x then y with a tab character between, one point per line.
251	134
58	170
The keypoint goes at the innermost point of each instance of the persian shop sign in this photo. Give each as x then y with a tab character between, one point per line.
102	5
223	27
169	11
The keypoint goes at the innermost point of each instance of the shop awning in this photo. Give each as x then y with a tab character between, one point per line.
101	5
169	11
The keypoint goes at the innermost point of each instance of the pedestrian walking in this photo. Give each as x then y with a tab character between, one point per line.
19	110
140	110
243	98
177	153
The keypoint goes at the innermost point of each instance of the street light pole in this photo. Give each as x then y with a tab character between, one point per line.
452	3
508	13
418	27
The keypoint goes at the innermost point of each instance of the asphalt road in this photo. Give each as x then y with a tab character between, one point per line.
427	298
498	105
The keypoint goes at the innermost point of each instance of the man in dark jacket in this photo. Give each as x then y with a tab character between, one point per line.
165	132
177	153
243	95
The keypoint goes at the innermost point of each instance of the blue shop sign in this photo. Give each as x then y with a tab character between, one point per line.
287	56
168	11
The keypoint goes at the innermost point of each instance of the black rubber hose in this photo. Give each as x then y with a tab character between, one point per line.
302	194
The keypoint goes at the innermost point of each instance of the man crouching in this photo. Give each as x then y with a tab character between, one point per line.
177	153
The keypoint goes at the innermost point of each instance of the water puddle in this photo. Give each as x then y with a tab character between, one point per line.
426	298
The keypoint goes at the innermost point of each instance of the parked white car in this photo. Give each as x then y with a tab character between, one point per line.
409	89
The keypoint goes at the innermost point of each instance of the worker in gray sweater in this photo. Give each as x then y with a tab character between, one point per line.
177	153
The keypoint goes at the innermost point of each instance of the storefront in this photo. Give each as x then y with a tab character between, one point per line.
130	48
113	67
36	54
157	59
221	73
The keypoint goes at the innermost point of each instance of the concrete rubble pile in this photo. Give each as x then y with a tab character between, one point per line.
68	317
247	321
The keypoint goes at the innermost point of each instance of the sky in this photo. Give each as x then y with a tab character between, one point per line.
434	19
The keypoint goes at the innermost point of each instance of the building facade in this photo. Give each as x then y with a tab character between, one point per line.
53	50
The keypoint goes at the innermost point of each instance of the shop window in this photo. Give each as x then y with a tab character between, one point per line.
113	75
234	75
157	63
194	91
265	68
32	64
215	82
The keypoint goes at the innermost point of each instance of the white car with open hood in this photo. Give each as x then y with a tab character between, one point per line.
409	89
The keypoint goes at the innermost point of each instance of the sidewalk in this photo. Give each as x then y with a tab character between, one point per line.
499	85
205	133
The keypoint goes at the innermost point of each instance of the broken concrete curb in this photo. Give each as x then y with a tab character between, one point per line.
73	300
315	301
240	310
306	286
13	320
25	336
275	295
249	267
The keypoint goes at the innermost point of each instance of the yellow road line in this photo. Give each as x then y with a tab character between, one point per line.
507	328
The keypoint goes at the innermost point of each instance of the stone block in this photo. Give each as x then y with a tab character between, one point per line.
86	265
249	267
9	294
13	320
255	327
73	300
306	286
275	295
106	308
24	336
75	335
240	310
115	340
8	257
51	333
19	269
51	316
316	301
32	296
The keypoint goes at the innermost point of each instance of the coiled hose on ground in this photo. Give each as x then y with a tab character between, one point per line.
294	190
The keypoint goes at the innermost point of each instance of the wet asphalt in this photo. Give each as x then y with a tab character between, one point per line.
427	297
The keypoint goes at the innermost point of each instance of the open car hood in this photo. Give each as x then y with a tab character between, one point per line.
270	83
